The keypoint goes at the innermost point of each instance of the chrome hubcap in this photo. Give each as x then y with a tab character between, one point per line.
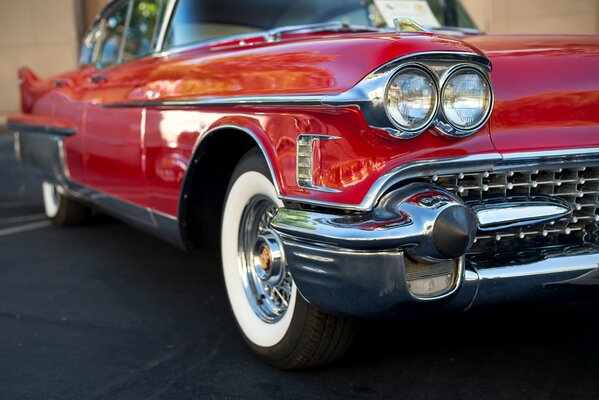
266	280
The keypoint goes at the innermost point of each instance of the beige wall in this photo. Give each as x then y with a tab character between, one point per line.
41	34
535	16
92	7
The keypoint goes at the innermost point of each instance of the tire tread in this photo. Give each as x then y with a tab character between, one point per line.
326	337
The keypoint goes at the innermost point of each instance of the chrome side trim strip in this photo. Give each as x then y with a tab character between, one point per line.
291	100
146	219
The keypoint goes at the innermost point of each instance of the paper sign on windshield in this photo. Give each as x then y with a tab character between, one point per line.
417	10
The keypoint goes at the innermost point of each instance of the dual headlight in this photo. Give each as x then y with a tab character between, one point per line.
462	104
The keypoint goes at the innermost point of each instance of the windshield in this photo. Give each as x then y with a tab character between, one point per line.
195	21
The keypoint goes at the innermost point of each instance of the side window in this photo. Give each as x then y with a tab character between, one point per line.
115	24
143	28
88	47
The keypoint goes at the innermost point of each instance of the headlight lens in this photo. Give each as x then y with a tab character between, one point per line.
466	99
411	100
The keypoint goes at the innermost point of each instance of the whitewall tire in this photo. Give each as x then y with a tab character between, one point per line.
277	323
61	209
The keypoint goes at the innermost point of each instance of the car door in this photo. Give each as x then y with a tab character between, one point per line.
67	104
113	144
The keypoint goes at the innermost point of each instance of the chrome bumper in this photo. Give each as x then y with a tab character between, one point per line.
359	265
373	284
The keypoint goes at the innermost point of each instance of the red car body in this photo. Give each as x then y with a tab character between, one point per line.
546	98
155	142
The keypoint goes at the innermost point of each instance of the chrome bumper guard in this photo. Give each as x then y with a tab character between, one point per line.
366	265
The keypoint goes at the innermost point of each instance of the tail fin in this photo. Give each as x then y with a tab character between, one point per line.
26	75
27	78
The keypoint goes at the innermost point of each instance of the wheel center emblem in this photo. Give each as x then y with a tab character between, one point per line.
265	258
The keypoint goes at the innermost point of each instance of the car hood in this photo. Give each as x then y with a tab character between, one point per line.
546	91
302	64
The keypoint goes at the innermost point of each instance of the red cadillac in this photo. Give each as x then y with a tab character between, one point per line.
348	162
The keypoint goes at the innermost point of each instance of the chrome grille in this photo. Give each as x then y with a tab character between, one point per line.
579	186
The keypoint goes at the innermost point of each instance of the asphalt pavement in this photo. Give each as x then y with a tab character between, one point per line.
106	312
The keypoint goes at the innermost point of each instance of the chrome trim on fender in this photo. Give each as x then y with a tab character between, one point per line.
472	163
191	171
256	139
305	161
407	171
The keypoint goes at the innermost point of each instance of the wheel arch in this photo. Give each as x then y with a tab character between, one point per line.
206	181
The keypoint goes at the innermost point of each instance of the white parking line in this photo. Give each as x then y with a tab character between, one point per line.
25	228
25	218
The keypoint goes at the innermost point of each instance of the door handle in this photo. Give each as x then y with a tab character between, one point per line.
62	82
98	78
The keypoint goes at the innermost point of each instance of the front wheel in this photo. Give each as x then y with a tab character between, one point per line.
61	209
277	323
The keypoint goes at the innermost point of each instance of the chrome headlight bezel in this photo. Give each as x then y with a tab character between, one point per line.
369	95
404	132
442	122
